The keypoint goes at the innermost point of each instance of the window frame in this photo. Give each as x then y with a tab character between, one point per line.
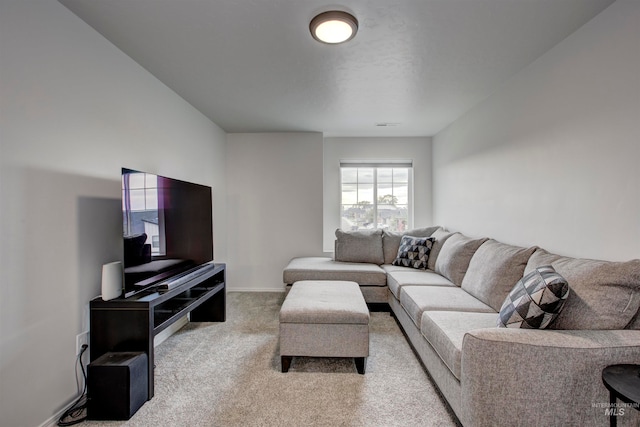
376	165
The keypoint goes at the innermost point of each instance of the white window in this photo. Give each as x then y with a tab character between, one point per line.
376	195
140	195
140	192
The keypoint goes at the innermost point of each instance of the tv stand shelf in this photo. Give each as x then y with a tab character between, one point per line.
131	323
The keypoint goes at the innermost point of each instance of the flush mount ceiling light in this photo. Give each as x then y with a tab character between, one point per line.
333	27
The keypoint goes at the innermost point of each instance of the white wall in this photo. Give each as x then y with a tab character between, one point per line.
73	110
274	205
337	149
552	158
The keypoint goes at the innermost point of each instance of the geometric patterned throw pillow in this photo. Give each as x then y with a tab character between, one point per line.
414	252
535	301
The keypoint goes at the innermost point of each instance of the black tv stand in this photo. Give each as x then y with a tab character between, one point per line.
130	323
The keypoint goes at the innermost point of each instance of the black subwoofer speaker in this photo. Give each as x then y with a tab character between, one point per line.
117	385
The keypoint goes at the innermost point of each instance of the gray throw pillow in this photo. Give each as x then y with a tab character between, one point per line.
535	301
493	270
391	240
359	246
414	252
604	294
455	255
440	237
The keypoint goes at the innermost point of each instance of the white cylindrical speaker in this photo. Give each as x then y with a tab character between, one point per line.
111	280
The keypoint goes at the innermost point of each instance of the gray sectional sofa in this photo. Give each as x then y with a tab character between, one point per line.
490	375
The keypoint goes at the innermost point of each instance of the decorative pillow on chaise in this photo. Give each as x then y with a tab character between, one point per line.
414	252
535	301
359	246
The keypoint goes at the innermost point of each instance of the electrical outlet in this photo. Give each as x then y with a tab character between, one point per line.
81	340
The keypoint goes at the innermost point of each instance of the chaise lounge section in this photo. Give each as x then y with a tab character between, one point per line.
449	304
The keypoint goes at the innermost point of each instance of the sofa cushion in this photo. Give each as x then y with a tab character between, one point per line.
455	254
604	294
417	299
445	331
493	270
391	268
396	279
535	301
634	324
359	246
440	236
391	240
414	252
324	268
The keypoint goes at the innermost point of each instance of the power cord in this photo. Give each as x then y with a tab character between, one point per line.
77	413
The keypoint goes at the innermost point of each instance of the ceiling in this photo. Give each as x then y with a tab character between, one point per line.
414	66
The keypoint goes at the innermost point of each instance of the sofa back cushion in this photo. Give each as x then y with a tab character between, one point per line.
440	236
455	255
604	294
493	271
359	246
391	240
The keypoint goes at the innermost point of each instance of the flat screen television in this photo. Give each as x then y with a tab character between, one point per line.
167	228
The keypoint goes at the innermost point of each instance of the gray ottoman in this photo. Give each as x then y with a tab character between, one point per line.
324	318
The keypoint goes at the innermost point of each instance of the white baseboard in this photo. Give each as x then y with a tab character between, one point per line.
240	289
53	421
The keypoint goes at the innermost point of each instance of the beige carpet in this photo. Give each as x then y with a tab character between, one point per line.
228	374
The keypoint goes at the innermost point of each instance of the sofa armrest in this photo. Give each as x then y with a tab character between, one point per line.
548	377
